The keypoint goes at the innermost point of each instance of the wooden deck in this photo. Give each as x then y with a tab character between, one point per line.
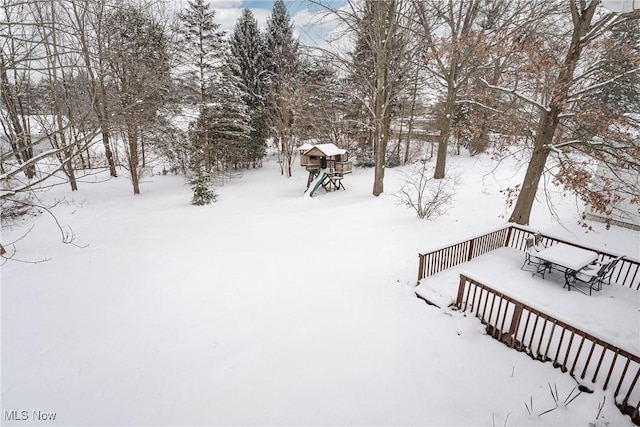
530	314
626	273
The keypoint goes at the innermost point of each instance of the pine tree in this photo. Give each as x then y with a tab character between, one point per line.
200	49
230	120
199	148
621	59
248	52
247	46
200	181
282	65
281	45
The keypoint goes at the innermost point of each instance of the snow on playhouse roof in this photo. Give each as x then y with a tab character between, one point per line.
305	147
326	149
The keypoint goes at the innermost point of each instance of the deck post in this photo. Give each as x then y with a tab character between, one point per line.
463	279
515	321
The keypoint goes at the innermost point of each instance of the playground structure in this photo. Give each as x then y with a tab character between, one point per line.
326	164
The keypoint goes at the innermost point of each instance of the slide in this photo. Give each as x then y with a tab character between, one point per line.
317	182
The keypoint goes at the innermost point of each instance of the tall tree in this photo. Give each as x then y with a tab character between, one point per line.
230	121
248	52
138	60
320	120
16	68
459	37
568	79
59	75
201	49
282	65
382	61
87	19
448	29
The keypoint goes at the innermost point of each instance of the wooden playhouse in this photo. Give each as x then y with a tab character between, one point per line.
327	164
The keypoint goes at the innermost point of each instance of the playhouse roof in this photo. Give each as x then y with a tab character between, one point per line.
305	147
326	149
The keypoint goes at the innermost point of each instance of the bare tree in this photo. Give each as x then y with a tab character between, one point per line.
58	77
138	62
459	38
555	86
16	63
382	60
87	20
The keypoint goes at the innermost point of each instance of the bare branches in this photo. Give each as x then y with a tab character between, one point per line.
428	197
514	91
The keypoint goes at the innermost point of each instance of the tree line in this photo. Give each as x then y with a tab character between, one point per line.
89	84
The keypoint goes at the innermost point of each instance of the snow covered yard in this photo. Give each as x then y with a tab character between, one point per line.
267	308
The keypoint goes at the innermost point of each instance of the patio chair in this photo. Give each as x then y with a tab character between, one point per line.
610	266
537	242
589	277
531	259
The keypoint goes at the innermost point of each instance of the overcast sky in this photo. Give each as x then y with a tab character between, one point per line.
304	13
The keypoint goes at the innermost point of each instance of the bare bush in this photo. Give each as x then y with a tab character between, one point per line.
427	196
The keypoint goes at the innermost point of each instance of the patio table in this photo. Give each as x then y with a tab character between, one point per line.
567	257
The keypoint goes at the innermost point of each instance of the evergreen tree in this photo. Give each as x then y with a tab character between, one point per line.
200	49
282	65
281	46
322	110
230	120
620	61
248	48
200	181
248	52
199	153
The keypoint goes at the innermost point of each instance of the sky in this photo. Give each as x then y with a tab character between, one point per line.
305	15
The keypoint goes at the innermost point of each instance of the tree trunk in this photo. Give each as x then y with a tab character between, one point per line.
445	131
144	157
105	127
411	117
132	136
381	111
401	128
535	169
51	47
106	143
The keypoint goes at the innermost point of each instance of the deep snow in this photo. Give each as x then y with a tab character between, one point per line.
267	308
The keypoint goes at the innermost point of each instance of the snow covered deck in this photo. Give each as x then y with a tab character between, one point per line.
612	314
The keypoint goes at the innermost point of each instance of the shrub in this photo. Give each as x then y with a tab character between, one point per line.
427	196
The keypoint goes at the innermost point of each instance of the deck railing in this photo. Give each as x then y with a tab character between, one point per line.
543	337
441	259
626	272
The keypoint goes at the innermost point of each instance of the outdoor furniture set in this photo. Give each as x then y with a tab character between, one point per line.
581	267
